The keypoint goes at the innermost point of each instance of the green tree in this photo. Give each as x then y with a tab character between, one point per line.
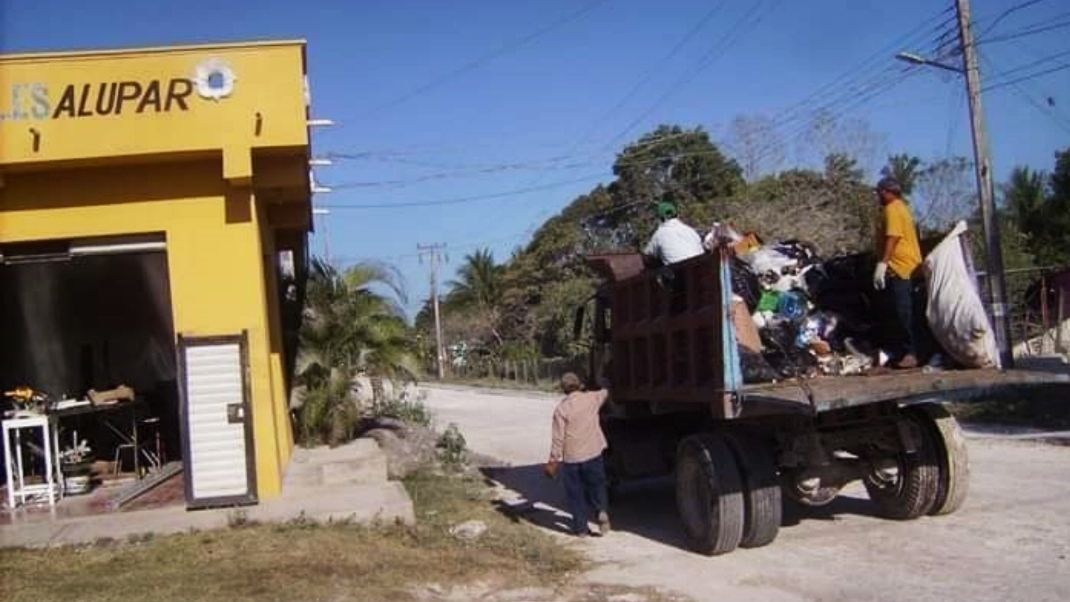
1024	196
1040	206
1053	240
544	281
682	163
478	283
353	324
904	168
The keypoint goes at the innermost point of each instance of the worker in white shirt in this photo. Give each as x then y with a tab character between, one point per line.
673	241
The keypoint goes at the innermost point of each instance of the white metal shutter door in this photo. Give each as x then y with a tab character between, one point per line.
217	461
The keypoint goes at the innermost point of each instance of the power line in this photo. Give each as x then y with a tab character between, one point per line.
718	49
1028	66
505	167
1021	93
485	59
852	88
468	199
1028	30
1010	11
691	33
461	173
1026	78
866	65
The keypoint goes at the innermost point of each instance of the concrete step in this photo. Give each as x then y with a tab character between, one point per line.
360	462
354	450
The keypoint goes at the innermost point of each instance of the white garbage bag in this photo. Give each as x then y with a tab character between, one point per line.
955	312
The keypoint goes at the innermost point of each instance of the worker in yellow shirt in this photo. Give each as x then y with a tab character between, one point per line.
899	270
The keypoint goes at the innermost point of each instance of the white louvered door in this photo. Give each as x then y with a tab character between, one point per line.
219	469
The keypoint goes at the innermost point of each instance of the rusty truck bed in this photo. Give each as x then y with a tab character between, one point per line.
831	393
673	344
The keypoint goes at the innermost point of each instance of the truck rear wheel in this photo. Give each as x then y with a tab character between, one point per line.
952	456
907	487
709	494
762	505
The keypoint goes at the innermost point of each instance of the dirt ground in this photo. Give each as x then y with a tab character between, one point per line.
1011	540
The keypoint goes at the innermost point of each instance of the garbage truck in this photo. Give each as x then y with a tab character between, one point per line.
665	344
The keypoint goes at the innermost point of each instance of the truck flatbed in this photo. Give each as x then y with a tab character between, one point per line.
831	393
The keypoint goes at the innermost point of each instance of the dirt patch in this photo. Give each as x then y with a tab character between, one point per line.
500	591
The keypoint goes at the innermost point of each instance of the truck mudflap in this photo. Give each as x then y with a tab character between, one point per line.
832	393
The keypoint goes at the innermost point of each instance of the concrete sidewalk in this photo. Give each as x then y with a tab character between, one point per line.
348	483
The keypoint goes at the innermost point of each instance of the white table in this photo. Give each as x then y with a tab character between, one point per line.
16	484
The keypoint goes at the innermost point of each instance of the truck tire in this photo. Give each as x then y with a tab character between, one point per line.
709	494
762	505
911	492
952	455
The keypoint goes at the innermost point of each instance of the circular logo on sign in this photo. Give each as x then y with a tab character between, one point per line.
214	79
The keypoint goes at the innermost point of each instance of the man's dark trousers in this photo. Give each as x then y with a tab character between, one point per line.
585	484
908	297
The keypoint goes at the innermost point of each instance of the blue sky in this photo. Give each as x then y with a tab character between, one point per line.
446	101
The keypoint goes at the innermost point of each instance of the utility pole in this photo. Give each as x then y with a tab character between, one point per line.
434	253
986	189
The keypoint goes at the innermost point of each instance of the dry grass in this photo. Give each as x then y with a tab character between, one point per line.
300	562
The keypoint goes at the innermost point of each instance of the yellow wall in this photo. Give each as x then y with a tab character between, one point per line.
127	142
215	252
44	93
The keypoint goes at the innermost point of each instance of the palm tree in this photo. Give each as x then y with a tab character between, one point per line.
479	288
353	324
478	283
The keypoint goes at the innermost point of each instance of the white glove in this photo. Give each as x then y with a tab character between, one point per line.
879	276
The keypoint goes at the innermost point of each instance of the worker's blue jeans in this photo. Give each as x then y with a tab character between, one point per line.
585	485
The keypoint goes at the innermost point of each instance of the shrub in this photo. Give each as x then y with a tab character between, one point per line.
403	408
452	446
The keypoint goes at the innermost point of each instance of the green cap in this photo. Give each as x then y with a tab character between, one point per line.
665	211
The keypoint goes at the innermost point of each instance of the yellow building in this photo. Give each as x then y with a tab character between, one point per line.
152	202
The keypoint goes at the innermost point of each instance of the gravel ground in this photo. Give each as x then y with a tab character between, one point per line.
1011	541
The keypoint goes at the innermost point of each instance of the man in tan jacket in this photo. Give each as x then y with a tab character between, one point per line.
576	451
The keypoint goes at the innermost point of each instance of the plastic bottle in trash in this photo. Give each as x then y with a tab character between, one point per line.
791	305
809	331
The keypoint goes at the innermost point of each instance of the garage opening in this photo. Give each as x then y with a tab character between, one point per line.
91	320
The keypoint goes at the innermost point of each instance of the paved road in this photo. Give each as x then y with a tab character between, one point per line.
1011	541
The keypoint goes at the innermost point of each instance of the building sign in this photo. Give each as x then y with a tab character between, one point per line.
23	101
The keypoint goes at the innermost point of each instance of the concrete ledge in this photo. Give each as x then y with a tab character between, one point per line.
386	503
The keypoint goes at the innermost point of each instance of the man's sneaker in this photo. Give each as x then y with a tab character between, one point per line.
603	522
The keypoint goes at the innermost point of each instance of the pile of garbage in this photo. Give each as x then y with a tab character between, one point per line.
798	315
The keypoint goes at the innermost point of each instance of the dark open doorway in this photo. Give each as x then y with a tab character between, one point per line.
84	316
